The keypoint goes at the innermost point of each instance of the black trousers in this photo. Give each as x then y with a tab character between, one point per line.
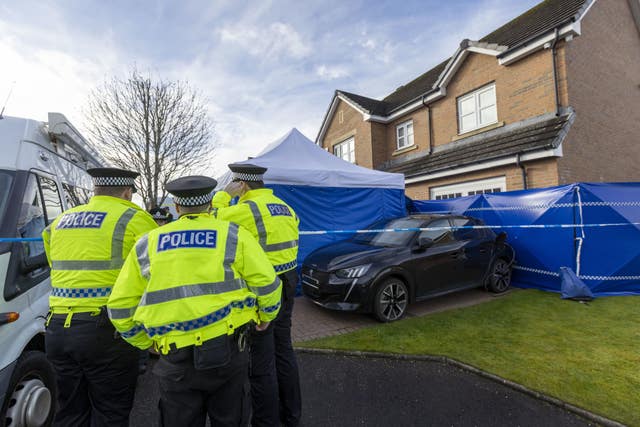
96	371
275	382
211	379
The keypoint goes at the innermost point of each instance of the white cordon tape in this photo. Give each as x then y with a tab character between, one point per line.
543	206
395	230
466	227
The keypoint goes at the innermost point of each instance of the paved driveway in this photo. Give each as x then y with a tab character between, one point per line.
311	321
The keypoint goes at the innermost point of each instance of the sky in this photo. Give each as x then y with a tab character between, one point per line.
262	67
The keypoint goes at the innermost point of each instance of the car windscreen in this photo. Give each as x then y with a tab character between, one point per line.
389	238
6	179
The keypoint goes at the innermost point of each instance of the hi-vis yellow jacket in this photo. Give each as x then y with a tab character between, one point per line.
271	221
192	280
86	247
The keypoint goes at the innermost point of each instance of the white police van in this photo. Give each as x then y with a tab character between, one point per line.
42	173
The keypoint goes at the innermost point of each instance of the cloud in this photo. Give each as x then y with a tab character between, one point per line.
326	72
275	41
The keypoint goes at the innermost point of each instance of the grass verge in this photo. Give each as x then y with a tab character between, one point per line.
585	354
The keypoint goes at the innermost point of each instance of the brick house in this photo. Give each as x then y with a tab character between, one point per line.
552	97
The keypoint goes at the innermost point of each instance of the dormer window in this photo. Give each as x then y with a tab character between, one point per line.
404	135
477	109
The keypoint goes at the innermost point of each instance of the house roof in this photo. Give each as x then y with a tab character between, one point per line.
539	133
536	21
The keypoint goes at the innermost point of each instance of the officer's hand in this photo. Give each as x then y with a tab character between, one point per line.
153	350
262	326
234	188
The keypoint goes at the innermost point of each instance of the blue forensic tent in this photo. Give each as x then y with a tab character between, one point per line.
326	192
594	229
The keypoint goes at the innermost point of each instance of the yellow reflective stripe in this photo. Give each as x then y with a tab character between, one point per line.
257	217
230	249
121	313
117	243
262	231
188	291
266	290
280	246
142	252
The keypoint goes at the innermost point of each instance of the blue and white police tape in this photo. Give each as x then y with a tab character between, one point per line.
396	230
467	227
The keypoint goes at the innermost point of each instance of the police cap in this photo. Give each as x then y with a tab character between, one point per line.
161	213
193	190
246	172
113	177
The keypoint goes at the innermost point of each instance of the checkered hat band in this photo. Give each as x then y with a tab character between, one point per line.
241	176
113	181
193	200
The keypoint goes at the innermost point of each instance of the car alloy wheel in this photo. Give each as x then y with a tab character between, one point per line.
391	300
500	277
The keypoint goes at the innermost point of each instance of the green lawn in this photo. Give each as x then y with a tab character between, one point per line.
584	354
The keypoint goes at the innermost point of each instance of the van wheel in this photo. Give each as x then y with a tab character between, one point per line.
31	396
391	300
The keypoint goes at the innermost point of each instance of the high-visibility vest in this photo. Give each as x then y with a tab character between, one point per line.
86	247
192	280
271	221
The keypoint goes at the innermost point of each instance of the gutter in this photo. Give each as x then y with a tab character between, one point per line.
430	130
554	54
524	171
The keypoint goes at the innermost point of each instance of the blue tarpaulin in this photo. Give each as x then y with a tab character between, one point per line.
591	228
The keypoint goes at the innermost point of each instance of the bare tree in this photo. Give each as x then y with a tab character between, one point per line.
156	127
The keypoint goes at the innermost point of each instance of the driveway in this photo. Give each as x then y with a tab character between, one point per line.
311	321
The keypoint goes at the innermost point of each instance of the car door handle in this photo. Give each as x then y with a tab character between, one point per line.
455	255
483	251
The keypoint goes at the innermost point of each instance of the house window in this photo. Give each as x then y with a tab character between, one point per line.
404	135
471	188
477	109
346	150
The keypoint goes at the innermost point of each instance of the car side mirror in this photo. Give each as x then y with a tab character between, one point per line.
33	263
424	242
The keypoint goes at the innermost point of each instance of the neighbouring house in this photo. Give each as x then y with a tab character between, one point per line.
552	97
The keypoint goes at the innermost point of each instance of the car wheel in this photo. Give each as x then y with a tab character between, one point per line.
391	300
31	396
499	277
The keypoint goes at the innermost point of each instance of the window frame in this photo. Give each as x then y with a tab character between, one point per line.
404	127
351	151
475	94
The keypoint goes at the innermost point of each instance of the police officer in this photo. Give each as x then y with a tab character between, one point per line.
274	369
86	246
191	289
160	215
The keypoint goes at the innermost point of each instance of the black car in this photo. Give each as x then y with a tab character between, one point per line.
381	272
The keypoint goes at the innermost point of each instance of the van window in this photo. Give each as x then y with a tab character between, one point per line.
51	196
74	196
31	220
6	180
